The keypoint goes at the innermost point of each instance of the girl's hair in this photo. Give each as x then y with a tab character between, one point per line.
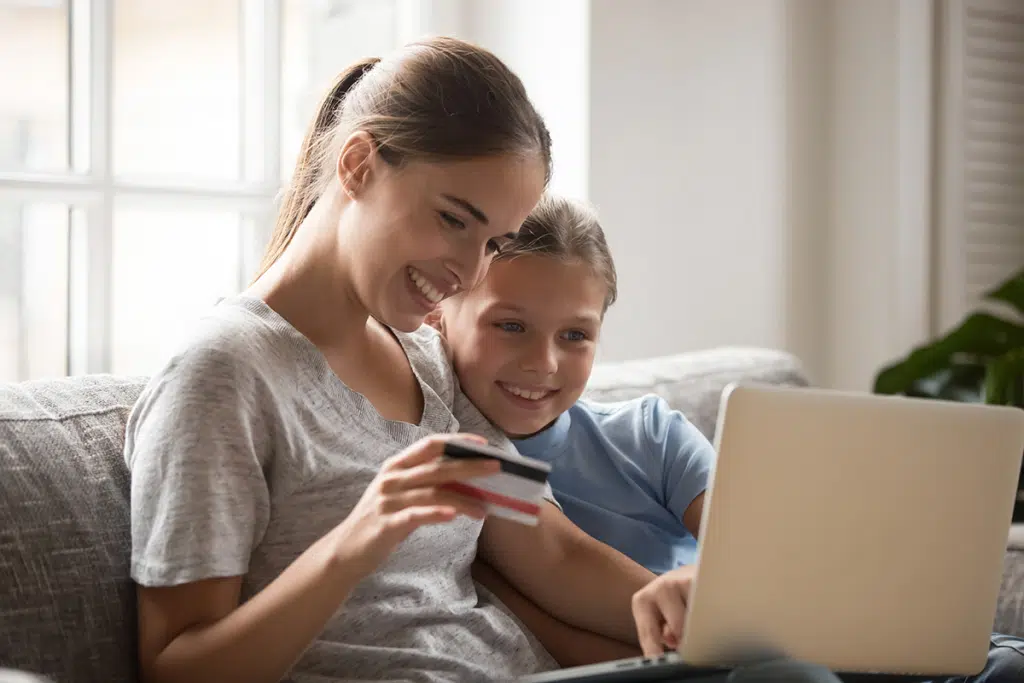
569	230
436	99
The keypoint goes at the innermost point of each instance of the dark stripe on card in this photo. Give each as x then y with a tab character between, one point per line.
493	498
453	450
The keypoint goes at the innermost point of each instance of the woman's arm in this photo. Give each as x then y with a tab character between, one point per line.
568	645
198	632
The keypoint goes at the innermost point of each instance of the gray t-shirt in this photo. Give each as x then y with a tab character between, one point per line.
246	448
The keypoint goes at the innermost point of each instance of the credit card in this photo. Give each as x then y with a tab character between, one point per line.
515	493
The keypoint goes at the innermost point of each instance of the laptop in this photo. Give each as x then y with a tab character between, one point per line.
861	532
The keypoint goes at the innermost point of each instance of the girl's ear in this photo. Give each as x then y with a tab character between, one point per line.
436	320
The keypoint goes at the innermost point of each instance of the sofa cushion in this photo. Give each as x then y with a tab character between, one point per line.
67	603
692	383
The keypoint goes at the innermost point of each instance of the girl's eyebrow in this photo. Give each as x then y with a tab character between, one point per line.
512	308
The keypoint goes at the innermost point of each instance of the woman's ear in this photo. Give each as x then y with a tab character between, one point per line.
354	163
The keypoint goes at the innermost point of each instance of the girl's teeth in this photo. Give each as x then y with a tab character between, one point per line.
428	290
531	395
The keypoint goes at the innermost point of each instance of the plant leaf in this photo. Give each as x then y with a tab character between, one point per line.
1004	381
1010	292
978	339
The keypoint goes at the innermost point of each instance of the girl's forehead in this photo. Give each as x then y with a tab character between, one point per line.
544	286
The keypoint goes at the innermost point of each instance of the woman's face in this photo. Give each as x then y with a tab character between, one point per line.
417	233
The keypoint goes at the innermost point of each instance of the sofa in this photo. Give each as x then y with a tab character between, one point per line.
67	604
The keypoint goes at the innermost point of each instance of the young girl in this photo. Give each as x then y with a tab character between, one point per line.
523	342
632	474
289	509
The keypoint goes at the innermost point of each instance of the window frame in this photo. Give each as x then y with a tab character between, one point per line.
91	189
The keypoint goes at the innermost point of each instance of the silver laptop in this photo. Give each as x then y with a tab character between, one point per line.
861	532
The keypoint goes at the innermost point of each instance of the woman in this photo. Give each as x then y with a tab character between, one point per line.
290	516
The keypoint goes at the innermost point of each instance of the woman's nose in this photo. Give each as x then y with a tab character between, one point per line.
470	267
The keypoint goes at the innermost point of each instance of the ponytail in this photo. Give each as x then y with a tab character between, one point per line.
304	189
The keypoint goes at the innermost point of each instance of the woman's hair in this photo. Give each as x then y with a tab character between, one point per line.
436	99
565	229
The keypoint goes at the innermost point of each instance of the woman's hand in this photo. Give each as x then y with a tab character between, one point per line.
407	493
659	609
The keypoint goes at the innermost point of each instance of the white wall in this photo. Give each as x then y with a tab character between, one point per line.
762	167
688	171
547	43
881	182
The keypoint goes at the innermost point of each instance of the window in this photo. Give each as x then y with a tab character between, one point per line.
981	149
142	144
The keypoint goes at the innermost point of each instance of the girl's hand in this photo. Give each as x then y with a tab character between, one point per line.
659	609
406	494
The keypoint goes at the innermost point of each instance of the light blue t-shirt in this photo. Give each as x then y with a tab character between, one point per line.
625	473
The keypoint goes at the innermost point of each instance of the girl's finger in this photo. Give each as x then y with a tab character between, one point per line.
648	625
671	605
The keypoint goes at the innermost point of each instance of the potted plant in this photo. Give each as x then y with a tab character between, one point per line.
981	360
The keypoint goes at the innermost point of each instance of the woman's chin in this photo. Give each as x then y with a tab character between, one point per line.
402	321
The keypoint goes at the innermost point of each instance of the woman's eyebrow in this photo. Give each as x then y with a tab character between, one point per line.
468	206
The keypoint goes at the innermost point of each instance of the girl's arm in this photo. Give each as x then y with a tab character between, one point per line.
569	646
567	573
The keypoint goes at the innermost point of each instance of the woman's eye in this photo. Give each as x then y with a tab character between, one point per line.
510	327
452	221
575	335
493	247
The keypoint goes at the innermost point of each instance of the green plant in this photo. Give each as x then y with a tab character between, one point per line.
980	360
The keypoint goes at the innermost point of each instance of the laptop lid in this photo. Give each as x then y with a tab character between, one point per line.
861	532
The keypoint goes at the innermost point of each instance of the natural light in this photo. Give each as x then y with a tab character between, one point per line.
142	144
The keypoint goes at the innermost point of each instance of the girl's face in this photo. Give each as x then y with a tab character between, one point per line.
417	233
523	342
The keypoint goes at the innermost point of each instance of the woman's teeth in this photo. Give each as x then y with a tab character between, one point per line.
523	393
428	290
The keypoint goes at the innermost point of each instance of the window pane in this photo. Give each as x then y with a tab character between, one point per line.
177	89
33	291
320	40
169	268
33	86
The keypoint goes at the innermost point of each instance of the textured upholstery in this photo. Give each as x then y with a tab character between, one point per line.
67	605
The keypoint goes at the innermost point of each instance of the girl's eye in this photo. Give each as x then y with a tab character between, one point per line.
493	247
452	221
510	327
575	335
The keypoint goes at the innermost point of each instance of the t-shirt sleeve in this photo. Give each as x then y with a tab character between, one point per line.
686	456
196	445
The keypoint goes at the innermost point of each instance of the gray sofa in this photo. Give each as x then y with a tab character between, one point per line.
67	606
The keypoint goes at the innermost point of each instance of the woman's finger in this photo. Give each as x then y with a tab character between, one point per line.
436	473
408	520
428	449
431	497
